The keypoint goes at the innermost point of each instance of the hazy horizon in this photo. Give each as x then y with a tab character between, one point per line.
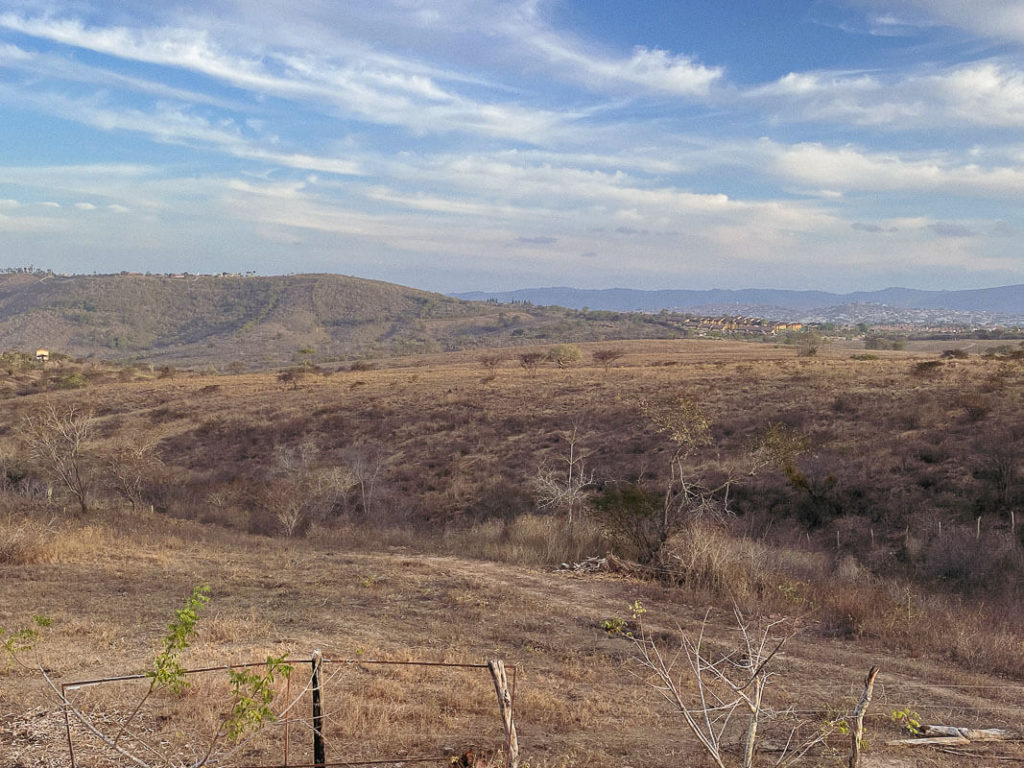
518	289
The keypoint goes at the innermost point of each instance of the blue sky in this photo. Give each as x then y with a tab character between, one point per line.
495	144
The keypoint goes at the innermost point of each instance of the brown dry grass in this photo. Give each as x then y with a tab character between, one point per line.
864	567
577	701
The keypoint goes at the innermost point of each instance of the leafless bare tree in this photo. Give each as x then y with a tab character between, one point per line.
299	489
129	465
713	692
690	493
58	442
605	357
491	360
531	361
999	459
566	490
365	463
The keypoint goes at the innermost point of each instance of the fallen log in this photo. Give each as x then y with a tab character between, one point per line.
973	734
952	736
938	741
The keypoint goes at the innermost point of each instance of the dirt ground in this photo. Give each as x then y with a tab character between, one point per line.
581	699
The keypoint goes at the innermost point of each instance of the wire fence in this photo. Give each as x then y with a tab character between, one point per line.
327	712
390	713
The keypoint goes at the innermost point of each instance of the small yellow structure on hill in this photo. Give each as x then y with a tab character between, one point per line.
42	355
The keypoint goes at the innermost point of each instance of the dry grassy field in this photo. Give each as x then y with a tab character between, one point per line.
422	537
110	593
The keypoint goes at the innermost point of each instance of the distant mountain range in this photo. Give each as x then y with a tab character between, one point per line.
1006	300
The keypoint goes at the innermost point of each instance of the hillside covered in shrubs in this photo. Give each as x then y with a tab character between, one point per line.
877	497
250	322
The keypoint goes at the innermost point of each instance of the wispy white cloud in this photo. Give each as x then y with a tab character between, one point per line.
1000	19
650	69
10	54
17	216
984	93
644	69
383	90
421	105
452	204
605	196
849	168
178	124
60	68
131	186
889	25
336	165
178	47
24	224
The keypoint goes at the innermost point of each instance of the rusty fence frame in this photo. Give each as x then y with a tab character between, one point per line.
504	684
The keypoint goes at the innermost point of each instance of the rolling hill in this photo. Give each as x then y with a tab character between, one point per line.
262	322
210	319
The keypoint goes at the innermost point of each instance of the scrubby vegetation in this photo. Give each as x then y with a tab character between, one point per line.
905	472
871	499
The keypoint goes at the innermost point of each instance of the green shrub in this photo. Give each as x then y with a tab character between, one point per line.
18	641
71	381
565	355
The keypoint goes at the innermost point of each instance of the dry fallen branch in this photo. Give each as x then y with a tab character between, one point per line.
951	735
939	741
983	734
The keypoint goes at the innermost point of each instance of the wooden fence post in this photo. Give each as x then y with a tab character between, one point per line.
857	732
319	757
497	668
287	723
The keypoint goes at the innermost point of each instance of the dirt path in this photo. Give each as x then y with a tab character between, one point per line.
579	699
